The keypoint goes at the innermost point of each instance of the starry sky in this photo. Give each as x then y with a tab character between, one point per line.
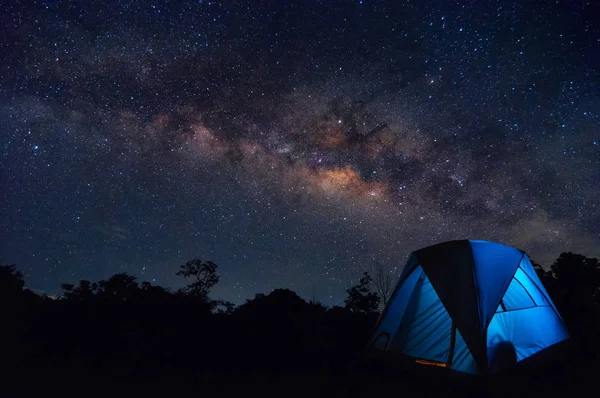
293	143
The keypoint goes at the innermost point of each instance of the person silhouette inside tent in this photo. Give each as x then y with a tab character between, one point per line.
503	357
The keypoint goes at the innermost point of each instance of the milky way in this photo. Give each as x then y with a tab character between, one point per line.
293	143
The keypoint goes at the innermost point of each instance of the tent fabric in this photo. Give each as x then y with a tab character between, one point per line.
536	297
529	330
457	303
426	327
462	359
517	296
495	265
394	312
448	265
527	267
411	264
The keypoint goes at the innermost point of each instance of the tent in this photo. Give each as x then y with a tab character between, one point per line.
465	304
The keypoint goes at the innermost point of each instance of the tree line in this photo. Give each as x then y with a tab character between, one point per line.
121	323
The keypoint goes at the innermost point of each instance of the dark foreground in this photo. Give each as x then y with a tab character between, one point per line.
118	338
564	374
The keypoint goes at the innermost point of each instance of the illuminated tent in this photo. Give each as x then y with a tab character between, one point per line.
459	304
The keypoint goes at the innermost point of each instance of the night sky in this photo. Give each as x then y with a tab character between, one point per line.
293	143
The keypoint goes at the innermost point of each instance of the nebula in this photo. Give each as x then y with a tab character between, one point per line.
292	145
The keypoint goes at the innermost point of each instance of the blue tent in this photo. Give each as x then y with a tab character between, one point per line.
459	304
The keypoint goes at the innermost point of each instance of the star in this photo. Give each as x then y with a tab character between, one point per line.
138	138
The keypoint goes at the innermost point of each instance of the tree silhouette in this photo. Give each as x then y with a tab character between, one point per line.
361	298
576	292
279	301
383	282
11	281
123	287
85	290
149	293
539	270
578	276
203	275
119	286
223	307
577	284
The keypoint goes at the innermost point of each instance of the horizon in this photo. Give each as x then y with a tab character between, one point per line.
395	274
